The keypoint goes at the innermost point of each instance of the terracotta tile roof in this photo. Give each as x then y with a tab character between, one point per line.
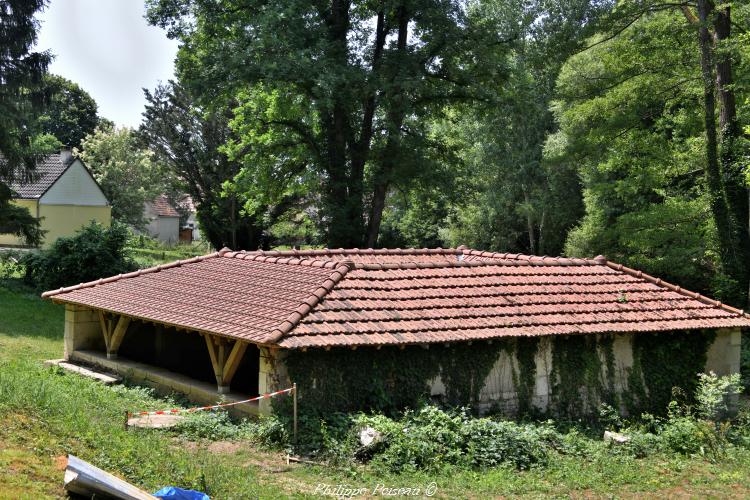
323	298
160	206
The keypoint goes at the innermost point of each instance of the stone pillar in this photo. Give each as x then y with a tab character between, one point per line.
723	357
82	330
272	376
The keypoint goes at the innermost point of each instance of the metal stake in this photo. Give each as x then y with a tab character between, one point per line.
294	399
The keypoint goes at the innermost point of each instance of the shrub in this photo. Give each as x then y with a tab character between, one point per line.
687	435
93	252
213	425
11	263
431	438
268	432
425	440
491	443
714	395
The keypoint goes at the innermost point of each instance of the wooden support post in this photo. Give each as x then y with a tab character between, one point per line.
116	339
225	362
233	362
294	403
106	326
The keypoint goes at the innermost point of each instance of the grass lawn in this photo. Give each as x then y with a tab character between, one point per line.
45	414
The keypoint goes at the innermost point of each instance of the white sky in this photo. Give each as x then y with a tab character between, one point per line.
108	48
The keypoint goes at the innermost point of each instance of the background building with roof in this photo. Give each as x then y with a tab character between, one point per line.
357	328
64	195
162	220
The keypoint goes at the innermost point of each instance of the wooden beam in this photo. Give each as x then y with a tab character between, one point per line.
233	362
106	325
116	338
218	368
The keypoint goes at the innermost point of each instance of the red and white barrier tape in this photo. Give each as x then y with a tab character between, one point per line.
267	395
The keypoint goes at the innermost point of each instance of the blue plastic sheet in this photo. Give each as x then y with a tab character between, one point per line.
174	493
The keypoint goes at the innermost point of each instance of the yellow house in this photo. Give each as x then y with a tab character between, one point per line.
64	195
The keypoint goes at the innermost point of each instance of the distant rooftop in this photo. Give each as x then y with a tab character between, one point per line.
47	171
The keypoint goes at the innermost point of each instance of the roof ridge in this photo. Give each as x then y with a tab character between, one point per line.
274	259
356	251
675	288
517	258
133	274
548	261
309	303
536	259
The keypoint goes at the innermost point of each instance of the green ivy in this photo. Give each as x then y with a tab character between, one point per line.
525	379
663	361
576	382
391	379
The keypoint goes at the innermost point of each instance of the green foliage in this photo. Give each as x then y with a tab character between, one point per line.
578	375
662	362
524	379
21	97
21	94
128	174
10	264
187	139
430	439
387	380
346	99
714	395
18	220
70	114
644	161
93	252
268	432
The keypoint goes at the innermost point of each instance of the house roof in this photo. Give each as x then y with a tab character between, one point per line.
162	207
324	298
47	171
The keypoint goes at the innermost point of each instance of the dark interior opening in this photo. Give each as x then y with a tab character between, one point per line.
186	353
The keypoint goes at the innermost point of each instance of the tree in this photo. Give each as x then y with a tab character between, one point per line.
641	157
338	89
187	140
71	113
127	173
521	194
21	73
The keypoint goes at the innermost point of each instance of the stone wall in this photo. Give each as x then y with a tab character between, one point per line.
499	391
82	330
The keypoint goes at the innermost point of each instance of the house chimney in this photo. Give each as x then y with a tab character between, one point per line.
66	156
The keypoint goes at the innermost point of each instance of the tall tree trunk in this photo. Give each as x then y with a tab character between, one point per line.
732	170
540	231
344	191
395	120
727	244
529	223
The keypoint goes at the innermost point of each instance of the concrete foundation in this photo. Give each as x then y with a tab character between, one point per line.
165	382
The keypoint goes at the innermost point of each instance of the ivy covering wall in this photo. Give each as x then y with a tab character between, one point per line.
583	374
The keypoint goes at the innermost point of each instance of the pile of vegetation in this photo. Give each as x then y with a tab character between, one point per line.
432	438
